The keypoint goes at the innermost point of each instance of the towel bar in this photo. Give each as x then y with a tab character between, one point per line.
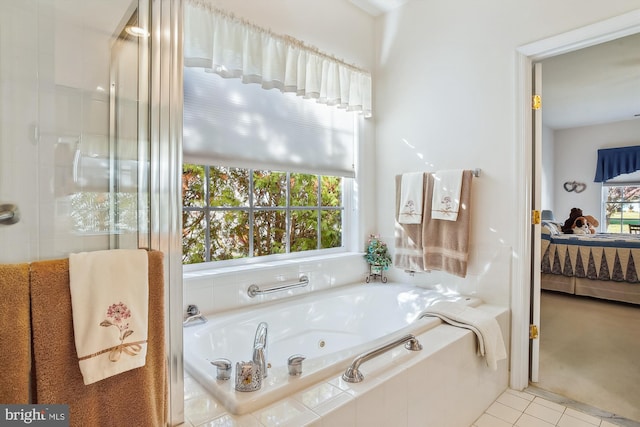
254	290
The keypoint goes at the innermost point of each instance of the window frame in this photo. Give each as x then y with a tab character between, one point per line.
604	202
347	221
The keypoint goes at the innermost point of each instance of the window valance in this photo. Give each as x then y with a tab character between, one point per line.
232	47
617	161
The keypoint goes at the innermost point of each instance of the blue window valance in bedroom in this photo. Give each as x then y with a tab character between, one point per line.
617	161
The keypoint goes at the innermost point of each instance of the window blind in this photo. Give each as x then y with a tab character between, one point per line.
230	123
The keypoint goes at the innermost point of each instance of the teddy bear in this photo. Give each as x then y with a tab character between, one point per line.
567	227
577	223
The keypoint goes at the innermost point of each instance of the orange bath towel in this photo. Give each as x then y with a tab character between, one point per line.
15	334
133	398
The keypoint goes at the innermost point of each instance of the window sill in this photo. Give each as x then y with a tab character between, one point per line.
212	269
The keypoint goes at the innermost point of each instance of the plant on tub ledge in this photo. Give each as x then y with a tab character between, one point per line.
378	258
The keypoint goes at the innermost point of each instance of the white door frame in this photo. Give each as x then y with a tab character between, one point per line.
526	55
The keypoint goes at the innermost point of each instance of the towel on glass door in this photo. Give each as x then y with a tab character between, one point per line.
411	192
110	306
445	203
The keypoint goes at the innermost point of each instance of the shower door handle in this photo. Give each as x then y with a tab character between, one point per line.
9	214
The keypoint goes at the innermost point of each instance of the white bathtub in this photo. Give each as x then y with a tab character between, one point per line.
330	328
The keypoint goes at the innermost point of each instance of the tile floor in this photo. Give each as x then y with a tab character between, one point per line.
529	408
525	409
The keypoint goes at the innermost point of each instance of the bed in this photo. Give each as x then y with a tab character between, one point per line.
601	265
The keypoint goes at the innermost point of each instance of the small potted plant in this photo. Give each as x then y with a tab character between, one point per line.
378	258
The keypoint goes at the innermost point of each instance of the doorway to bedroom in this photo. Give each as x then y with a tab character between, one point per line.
587	345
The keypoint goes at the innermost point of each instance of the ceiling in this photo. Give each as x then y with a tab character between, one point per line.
377	7
594	85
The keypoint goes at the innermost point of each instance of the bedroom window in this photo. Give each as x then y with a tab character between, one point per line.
621	205
232	213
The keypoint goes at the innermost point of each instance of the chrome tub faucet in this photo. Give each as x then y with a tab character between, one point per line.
260	348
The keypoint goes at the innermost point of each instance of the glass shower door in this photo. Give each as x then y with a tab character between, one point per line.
73	122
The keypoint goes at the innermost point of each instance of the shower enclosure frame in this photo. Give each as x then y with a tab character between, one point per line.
159	135
165	176
159	163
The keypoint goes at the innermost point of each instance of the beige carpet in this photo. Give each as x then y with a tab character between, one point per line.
590	352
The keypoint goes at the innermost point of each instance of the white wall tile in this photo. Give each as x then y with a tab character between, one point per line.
338	412
370	408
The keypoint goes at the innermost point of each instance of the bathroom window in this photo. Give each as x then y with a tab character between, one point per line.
237	213
267	175
621	205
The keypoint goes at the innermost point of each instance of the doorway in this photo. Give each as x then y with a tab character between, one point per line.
521	299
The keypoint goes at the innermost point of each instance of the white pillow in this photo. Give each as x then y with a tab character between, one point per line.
553	229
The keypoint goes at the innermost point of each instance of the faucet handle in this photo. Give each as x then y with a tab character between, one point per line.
223	371
192	310
295	364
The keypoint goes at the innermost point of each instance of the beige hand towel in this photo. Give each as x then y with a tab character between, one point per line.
110	305
445	202
408	252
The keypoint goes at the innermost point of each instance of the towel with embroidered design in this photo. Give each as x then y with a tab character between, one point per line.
109	302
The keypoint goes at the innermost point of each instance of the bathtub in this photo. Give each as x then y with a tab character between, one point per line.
329	328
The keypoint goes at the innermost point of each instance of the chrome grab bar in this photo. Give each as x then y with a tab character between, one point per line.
353	374
254	290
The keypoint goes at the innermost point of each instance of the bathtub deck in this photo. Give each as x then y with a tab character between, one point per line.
401	388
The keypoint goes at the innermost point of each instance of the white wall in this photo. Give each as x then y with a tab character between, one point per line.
445	98
576	154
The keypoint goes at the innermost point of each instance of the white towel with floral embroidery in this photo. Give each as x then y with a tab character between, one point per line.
445	201
110	306
411	192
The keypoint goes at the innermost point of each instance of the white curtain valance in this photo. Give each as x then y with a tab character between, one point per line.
232	47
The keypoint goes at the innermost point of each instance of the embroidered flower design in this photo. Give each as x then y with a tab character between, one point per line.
446	205
117	315
409	208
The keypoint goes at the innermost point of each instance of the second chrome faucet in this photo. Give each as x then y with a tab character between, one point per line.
260	348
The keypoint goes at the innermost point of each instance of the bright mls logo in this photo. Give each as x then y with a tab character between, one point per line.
36	415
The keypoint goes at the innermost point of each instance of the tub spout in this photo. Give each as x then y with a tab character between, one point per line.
260	348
